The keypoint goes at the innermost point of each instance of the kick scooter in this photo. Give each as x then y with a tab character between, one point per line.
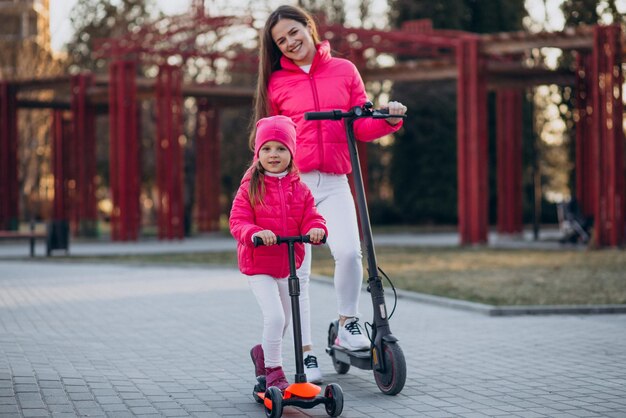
385	357
301	393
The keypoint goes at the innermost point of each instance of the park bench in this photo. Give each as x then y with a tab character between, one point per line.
56	237
31	236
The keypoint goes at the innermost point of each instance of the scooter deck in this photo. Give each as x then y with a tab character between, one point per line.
361	359
303	395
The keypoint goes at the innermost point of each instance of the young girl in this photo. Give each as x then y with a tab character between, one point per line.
272	201
297	74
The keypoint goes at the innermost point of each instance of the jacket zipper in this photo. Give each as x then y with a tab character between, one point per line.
319	122
283	205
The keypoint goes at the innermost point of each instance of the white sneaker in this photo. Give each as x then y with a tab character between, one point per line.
351	337
311	369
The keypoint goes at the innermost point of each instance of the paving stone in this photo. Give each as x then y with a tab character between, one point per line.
6	410
125	341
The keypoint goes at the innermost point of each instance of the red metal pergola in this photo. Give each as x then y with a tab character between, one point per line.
478	63
496	62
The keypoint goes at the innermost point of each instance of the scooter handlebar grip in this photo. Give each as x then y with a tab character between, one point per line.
332	115
307	239
257	241
384	114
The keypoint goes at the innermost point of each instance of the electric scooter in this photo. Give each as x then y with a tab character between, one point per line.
301	393
385	357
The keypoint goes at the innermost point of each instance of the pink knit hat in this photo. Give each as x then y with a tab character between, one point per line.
275	128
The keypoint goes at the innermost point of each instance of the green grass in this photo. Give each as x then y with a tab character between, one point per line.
495	277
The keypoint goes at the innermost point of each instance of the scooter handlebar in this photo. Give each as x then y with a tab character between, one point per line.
282	240
331	115
356	112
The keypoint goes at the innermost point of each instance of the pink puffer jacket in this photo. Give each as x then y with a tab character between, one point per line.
289	210
332	83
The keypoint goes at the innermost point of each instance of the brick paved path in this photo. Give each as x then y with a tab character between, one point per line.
117	341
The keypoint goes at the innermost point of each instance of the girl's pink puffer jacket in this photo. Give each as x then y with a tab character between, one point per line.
332	83
289	210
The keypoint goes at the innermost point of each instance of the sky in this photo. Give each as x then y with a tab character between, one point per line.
61	29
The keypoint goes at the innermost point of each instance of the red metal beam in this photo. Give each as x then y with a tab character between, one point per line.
85	222
124	152
59	167
207	167
608	137
169	157
509	161
9	198
472	151
584	127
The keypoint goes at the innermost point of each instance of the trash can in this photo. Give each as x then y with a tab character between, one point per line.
58	236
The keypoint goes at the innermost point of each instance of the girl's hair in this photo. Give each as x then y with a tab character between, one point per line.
269	58
256	193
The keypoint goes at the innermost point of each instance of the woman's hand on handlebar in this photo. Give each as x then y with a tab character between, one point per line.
316	235
268	237
395	108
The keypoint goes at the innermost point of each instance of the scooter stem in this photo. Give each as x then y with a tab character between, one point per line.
294	292
374	281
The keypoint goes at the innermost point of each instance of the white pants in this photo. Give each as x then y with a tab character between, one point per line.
273	298
335	203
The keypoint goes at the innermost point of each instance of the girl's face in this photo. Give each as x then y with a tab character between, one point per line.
274	157
294	40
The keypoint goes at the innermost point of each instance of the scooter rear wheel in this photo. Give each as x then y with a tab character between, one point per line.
340	368
275	396
391	381
335	394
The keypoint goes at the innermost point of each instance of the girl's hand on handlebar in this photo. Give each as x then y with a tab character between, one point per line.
316	235
395	108
268	237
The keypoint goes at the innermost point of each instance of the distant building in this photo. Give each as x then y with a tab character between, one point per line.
26	54
25	49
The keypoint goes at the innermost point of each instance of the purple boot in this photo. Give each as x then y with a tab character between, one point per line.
276	377
258	359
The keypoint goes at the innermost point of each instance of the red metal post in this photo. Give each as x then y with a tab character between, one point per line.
9	196
509	161
84	152
59	167
472	144
208	187
608	137
124	152
584	127
169	157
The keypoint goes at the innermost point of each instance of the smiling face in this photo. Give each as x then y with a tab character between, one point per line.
274	157
294	40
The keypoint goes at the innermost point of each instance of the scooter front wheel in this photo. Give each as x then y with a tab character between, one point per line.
392	379
273	402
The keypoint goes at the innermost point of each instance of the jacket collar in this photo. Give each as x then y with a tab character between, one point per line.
292	176
322	55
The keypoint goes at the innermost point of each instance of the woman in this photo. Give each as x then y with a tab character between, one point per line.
297	74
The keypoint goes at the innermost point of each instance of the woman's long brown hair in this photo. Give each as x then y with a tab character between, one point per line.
269	59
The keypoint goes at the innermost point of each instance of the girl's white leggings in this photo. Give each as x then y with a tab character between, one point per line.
273	298
335	203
